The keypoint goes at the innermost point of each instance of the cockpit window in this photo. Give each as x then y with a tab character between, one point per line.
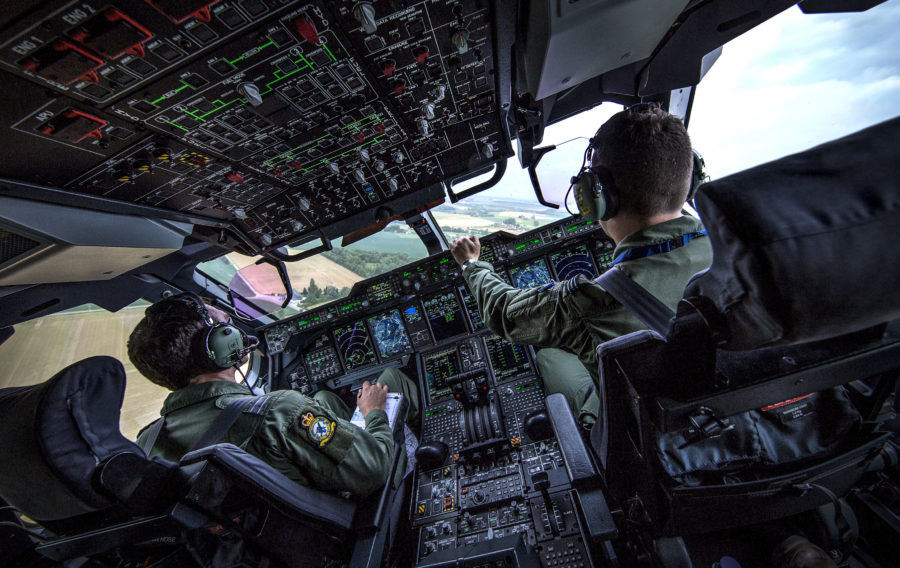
42	347
330	275
511	205
794	82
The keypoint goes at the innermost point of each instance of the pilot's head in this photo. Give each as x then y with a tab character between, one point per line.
648	153
164	345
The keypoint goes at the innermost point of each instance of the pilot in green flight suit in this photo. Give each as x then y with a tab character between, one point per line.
647	154
309	440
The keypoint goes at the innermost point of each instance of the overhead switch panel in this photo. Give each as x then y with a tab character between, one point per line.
112	34
62	62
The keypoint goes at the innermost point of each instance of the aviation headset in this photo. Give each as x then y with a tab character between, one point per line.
218	345
595	190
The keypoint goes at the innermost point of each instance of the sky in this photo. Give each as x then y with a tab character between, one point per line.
789	84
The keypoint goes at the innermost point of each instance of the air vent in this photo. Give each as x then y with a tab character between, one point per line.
12	245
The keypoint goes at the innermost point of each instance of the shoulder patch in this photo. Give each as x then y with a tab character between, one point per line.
319	429
316	427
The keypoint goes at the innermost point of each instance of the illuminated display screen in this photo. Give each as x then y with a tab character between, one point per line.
572	262
309	321
487	254
471	307
531	274
439	366
411	314
351	306
323	364
389	334
381	292
507	359
354	345
444	316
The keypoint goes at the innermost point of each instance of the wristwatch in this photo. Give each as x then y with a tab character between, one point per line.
468	263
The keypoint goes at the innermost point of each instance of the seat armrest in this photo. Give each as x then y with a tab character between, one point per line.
265	480
373	509
571	444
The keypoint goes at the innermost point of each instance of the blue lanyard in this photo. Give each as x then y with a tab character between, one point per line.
658	248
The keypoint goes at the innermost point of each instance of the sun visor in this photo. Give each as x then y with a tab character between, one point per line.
803	247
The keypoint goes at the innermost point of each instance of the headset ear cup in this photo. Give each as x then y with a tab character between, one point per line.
607	193
698	175
224	345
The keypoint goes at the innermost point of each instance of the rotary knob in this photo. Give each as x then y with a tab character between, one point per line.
364	155
460	40
334	168
364	13
393	184
250	93
378	165
359	175
265	239
296	225
423	126
428	110
398	157
240	213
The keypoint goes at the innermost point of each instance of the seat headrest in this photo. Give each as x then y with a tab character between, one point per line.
53	436
803	246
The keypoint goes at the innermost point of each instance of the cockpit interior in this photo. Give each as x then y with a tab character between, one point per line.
246	150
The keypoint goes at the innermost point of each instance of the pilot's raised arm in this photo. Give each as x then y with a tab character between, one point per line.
189	348
639	174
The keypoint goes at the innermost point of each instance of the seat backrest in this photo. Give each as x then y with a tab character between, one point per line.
53	436
800	292
803	247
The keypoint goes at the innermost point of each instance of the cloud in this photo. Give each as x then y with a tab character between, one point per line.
794	82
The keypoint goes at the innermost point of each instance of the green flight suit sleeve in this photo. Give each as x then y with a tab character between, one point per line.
309	444
550	316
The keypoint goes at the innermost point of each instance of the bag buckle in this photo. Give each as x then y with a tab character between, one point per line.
704	425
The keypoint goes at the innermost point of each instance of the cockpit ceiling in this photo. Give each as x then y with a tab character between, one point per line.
265	123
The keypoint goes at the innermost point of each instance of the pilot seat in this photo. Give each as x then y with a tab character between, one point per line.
762	408
76	489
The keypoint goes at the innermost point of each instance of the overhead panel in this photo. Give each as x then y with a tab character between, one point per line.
282	119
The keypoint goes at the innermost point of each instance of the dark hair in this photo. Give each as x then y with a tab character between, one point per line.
161	345
648	152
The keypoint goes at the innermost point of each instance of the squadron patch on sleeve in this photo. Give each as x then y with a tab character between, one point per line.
316	427
319	429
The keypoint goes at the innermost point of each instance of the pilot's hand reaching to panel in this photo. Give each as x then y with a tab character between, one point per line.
465	248
370	397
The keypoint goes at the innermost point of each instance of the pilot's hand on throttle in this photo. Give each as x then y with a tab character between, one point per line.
465	248
370	397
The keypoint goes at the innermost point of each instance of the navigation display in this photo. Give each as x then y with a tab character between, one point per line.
508	360
419	334
354	345
389	334
572	262
531	274
439	366
444	316
471	308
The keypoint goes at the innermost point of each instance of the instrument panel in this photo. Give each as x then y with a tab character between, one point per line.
497	479
432	303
